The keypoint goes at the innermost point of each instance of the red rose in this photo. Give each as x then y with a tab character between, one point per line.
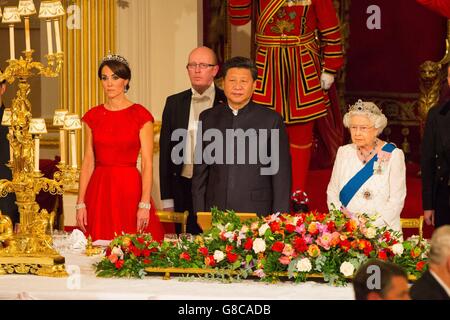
300	244
248	244
134	250
387	236
232	257
119	264
147	261
228	248
209	261
290	228
145	252
278	246
108	251
141	240
222	236
331	226
320	217
185	256
274	226
368	249
345	245
420	265
203	251
382	255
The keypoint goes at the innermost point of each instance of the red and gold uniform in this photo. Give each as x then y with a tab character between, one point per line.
290	63
440	6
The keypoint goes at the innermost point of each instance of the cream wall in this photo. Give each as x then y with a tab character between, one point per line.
156	37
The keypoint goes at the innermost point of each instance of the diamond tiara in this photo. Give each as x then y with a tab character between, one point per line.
115	57
365	106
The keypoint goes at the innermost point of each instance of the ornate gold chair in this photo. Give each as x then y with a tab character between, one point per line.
174	217
413	223
204	218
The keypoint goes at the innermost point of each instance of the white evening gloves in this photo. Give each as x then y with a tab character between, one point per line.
326	80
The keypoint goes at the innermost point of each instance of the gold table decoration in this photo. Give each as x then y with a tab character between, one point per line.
92	250
29	248
199	271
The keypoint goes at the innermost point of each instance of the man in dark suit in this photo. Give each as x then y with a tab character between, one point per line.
182	111
435	282
7	204
435	165
246	164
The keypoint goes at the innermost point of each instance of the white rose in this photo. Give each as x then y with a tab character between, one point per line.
218	255
347	269
262	230
304	265
244	229
259	245
229	234
397	249
117	251
370	233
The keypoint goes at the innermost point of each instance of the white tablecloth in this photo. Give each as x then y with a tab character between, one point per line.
86	285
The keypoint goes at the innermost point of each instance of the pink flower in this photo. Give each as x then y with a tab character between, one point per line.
113	258
325	240
308	239
300	229
260	273
284	260
288	250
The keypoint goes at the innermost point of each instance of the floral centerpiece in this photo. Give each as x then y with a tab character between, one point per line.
331	245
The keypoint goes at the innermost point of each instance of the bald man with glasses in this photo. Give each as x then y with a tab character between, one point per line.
182	111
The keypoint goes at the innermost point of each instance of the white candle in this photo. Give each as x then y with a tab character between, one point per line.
58	38
36	153
11	42
27	34
62	145
49	37
73	149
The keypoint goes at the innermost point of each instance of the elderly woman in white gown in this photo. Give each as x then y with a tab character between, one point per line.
369	175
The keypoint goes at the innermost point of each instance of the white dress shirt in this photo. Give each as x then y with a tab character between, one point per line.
199	103
383	193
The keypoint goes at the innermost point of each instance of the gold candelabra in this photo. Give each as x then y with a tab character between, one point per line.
28	249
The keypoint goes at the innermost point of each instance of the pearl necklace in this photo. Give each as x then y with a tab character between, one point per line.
366	157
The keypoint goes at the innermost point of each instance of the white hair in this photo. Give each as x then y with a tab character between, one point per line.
369	110
440	245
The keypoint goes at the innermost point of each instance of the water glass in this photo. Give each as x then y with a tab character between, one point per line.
186	237
171	237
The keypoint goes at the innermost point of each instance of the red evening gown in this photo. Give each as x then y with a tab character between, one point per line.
115	188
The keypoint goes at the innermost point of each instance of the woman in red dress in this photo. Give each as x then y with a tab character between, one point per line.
114	197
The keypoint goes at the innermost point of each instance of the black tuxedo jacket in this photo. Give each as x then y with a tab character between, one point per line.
427	288
175	116
242	187
435	157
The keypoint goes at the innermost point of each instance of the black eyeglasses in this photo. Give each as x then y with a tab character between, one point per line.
203	66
